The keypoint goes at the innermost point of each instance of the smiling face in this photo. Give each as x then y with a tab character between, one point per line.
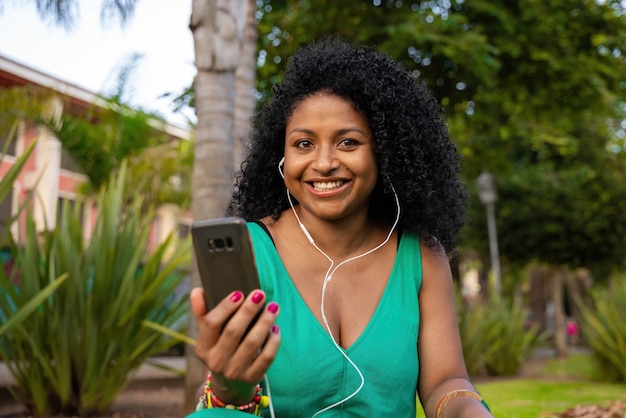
330	164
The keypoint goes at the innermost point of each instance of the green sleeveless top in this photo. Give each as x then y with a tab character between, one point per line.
309	373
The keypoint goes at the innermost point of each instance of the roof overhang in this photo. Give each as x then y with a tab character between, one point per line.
14	74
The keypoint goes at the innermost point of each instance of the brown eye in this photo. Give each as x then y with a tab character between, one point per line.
348	143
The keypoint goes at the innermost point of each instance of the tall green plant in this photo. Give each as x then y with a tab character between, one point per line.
9	178
604	329
83	344
476	339
495	340
12	316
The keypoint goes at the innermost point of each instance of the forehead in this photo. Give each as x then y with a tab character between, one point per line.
325	107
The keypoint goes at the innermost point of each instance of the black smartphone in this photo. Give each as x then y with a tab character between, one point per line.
225	258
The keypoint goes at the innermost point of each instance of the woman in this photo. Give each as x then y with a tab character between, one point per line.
352	186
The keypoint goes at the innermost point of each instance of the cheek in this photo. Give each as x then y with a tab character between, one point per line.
369	168
292	175
372	178
295	165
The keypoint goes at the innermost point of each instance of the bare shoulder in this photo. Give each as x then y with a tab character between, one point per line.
282	231
268	221
435	262
275	225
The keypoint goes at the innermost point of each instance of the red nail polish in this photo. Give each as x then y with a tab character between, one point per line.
272	307
236	296
257	297
275	329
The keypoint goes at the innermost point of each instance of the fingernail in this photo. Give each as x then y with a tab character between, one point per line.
236	296
257	297
272	307
275	329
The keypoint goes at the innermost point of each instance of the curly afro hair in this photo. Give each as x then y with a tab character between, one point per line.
414	151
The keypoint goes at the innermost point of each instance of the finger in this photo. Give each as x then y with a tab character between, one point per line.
268	353
198	305
241	321
254	340
211	325
253	346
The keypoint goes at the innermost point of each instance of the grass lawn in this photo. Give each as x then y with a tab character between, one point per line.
528	398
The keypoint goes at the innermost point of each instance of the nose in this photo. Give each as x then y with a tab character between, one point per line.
325	160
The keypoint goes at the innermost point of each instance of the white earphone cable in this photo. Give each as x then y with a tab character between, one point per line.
327	278
268	392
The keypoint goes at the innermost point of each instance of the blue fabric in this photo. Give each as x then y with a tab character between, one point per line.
309	373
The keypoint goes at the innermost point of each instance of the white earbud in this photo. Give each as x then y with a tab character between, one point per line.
280	164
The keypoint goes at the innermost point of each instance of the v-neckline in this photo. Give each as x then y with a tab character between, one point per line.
321	327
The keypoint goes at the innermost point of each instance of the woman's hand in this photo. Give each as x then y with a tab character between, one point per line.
237	357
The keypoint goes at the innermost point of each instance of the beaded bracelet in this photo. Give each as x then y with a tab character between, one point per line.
208	400
455	394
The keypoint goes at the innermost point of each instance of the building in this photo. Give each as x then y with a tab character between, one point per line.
50	173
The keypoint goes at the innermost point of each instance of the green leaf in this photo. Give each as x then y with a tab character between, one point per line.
164	330
32	304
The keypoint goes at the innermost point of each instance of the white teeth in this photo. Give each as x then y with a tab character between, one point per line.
322	186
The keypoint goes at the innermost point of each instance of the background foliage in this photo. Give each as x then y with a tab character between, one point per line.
102	136
604	328
81	346
535	93
495	339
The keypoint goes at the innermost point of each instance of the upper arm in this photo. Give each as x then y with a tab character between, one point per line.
439	343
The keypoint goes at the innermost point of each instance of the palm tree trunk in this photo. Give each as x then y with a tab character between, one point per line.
246	76
217	28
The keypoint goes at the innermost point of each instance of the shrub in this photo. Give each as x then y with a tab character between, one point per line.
604	329
494	337
80	347
8	179
6	187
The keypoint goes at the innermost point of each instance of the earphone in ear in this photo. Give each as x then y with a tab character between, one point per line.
280	165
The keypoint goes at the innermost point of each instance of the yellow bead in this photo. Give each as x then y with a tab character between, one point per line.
265	401
230	407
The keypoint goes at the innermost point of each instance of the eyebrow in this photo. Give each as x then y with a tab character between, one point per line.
338	132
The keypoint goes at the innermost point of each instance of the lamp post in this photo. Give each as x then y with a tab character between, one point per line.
488	196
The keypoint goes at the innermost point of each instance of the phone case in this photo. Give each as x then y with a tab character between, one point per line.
225	258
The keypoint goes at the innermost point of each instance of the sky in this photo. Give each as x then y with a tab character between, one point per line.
90	54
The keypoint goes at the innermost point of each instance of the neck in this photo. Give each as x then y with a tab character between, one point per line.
340	239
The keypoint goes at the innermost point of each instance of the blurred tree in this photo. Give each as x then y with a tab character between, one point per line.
101	137
535	91
161	173
224	33
531	88
23	103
